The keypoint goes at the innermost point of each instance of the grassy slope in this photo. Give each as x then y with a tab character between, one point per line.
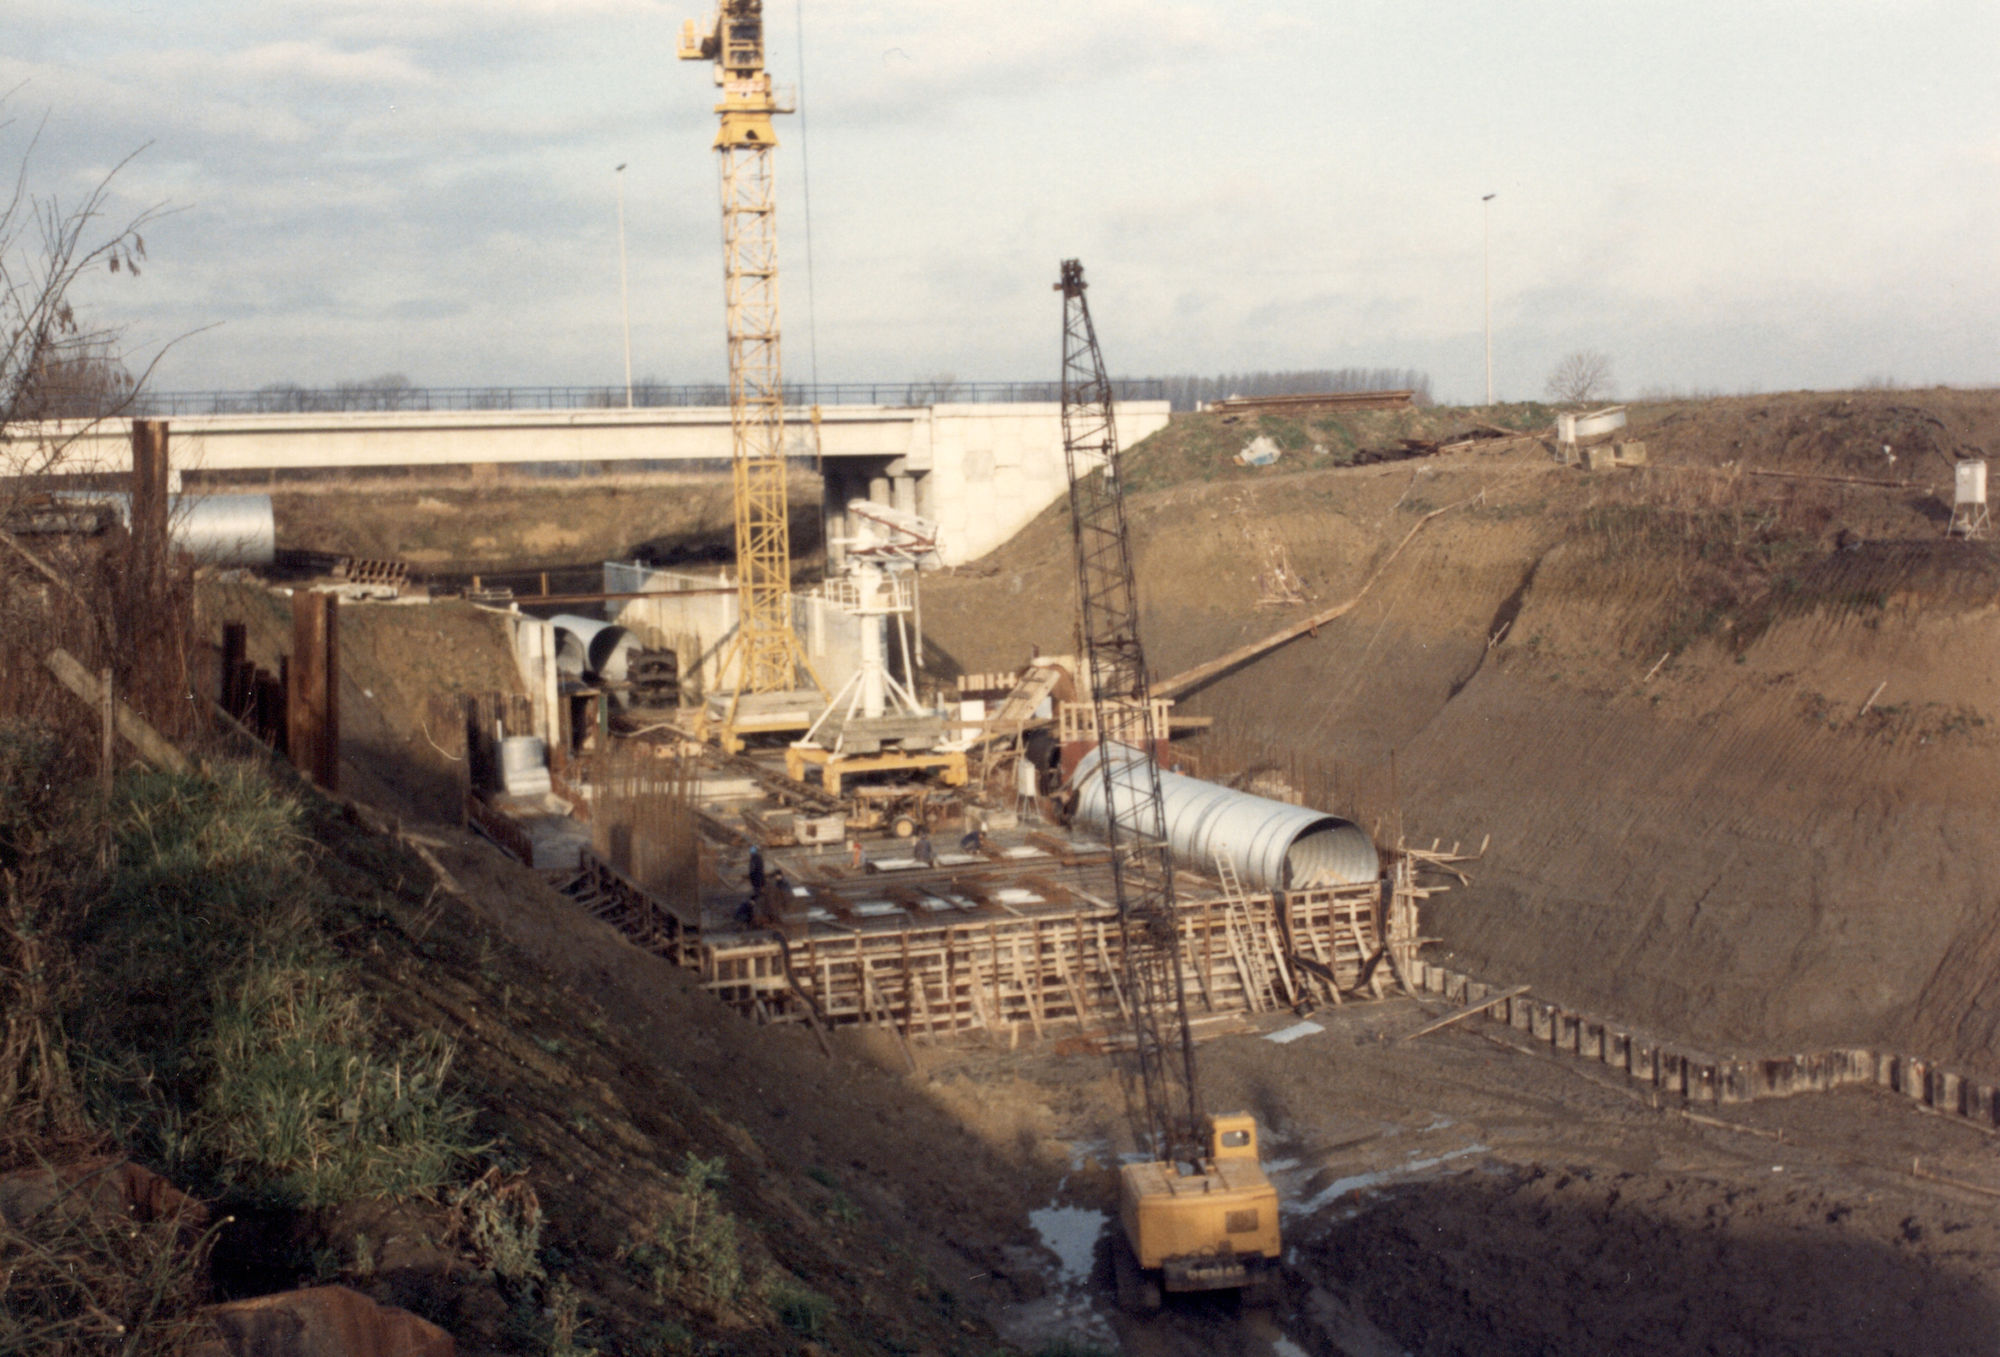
282	1007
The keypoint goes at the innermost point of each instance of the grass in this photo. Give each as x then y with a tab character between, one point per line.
301	1110
799	1308
688	1251
222	1037
82	1280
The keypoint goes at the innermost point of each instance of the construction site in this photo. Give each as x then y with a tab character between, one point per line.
1316	874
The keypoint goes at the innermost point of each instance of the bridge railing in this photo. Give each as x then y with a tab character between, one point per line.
385	397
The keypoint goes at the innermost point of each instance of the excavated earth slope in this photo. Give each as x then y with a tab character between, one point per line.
1731	733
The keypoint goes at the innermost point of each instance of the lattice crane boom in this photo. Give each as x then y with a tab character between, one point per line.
1141	861
767	654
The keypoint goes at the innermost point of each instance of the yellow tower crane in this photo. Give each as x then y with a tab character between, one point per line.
765	658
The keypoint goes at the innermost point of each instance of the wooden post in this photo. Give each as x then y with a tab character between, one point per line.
106	730
149	500
235	649
313	697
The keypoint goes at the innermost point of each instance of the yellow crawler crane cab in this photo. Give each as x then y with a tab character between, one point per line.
1207	1226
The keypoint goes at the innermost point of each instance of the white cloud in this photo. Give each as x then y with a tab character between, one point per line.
320	63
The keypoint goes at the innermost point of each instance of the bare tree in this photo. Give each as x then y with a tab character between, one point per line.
1584	375
53	363
65	581
56	369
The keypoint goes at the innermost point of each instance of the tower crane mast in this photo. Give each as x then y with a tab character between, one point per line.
766	652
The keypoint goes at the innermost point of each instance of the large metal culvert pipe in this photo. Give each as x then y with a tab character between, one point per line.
590	648
227	530
1275	845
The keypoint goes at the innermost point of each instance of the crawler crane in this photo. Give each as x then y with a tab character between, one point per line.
1200	1215
766	655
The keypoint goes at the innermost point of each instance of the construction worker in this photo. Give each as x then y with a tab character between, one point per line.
756	870
776	897
855	857
922	851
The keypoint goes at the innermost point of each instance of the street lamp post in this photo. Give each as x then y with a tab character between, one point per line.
624	293
1486	220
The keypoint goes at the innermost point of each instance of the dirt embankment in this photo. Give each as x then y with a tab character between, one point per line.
520	525
1732	735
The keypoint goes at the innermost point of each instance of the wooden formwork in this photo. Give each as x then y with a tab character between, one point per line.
1034	971
993	968
605	893
1339	928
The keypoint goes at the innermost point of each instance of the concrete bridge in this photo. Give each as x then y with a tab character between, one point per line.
980	471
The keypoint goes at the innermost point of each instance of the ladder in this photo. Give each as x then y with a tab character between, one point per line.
1258	992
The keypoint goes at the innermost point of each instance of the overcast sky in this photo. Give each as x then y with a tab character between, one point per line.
1721	196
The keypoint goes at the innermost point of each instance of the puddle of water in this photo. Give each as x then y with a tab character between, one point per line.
1286	1035
1070	1232
1067	1312
1361	1182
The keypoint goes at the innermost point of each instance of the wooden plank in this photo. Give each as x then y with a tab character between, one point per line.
1460	1015
138	732
1069	980
1268	930
1032	999
1251	999
314	694
1111	974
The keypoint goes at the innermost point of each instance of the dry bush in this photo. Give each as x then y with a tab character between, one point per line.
46	875
110	600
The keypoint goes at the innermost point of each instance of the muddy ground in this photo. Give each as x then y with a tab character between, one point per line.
1459	1195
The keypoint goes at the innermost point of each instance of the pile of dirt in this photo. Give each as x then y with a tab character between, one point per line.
405	671
873	1214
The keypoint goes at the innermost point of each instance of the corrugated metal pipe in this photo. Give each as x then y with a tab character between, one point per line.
227	530
592	649
1275	845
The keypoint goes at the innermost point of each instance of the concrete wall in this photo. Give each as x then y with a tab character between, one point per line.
981	471
698	628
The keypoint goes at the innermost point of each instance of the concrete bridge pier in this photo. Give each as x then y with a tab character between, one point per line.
883	480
